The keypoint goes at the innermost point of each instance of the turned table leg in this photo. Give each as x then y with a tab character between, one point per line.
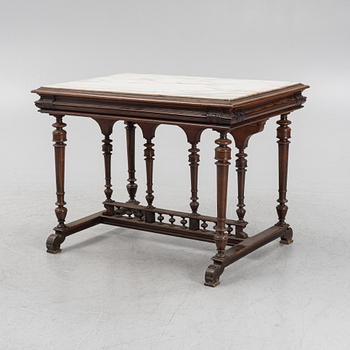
107	148
193	137
130	147
241	168
283	135
241	137
148	130
54	241
222	156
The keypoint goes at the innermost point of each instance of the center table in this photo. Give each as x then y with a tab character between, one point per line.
239	108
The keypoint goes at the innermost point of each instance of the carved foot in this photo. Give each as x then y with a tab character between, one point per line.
53	243
212	275
287	237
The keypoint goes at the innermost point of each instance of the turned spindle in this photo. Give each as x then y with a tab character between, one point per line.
283	135
241	168
130	148
241	136
222	156
193	137
148	130
107	148
59	137
193	159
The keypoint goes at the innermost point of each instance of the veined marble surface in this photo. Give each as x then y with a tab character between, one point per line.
175	85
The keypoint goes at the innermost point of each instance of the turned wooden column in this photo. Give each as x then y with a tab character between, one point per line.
59	137
130	148
193	137
148	131
107	148
241	136
222	156
283	135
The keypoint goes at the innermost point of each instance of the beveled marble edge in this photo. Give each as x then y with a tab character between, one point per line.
170	88
164	99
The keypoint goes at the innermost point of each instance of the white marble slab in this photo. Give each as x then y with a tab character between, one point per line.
173	85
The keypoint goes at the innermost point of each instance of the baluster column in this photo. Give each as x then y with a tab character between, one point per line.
193	137
222	156
283	135
241	137
59	137
107	149
148	130
130	146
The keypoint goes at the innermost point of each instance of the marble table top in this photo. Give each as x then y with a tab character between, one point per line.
173	85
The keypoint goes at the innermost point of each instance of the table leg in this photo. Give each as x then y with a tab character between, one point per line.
148	130
130	146
59	138
193	137
283	135
107	148
241	137
222	156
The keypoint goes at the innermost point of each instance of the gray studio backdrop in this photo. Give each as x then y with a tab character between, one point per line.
54	41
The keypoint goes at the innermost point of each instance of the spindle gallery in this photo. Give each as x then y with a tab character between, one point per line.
234	109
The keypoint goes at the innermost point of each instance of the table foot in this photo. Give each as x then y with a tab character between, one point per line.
212	275
53	243
287	237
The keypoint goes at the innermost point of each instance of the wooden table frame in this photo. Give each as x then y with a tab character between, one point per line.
241	118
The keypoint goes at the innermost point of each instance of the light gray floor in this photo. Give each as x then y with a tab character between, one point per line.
113	288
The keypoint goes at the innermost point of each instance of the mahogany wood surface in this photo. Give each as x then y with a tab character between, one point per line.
241	118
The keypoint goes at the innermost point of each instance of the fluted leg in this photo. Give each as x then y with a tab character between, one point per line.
59	138
283	135
130	144
222	156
